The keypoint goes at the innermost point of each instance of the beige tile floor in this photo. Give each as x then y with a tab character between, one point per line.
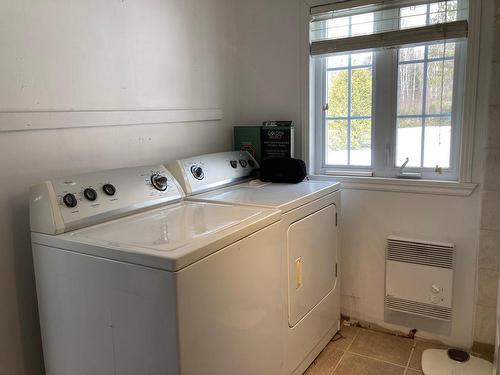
365	352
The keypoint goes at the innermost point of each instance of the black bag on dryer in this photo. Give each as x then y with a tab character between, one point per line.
287	170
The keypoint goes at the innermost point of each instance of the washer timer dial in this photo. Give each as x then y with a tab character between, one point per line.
159	182
197	172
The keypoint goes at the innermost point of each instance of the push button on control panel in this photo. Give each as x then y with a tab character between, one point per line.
234	163
70	200
90	194
251	163
243	163
109	189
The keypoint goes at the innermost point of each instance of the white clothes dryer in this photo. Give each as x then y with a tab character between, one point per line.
132	279
309	237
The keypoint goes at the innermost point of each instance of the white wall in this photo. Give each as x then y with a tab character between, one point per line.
368	217
92	54
267	80
272	55
489	243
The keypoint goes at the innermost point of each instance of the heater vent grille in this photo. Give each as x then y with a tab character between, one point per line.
418	308
426	254
419	283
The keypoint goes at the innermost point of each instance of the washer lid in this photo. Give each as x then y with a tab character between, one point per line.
170	238
285	197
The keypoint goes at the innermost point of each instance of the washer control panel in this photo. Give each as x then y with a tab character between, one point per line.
74	202
207	172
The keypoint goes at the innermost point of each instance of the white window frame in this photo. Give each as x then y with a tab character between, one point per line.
383	128
359	178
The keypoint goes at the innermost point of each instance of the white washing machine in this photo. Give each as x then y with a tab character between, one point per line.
133	280
309	236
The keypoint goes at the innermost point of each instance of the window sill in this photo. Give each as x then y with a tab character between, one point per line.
462	189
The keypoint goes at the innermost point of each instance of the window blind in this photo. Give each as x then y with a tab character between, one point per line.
370	24
360	5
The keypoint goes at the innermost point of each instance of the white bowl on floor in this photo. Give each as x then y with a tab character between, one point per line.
437	362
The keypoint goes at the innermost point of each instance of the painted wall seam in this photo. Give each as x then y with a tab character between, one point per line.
36	120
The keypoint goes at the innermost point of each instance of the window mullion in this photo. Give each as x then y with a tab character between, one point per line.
319	114
349	93
384	105
424	92
457	116
424	105
384	112
349	108
324	112
456	111
321	77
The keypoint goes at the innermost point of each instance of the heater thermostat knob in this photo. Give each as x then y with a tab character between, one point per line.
435	288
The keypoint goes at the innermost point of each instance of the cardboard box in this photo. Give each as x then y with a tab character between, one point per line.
265	141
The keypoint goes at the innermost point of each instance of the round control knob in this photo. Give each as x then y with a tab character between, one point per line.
90	194
243	163
233	163
434	299
435	288
159	182
197	172
70	200
109	189
251	163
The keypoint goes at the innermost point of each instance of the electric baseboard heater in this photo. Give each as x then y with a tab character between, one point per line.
419	284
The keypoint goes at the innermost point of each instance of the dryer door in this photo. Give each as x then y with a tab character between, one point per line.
312	258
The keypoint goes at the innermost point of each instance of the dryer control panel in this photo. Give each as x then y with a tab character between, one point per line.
207	172
73	202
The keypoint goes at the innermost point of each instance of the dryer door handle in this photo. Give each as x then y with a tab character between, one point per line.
298	272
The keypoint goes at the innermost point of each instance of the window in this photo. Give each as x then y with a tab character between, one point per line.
349	101
389	88
425	87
